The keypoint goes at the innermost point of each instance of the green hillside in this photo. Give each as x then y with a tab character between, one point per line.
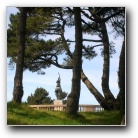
24	115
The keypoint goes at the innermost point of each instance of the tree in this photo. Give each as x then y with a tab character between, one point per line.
18	87
63	95
105	78
94	23
40	96
36	27
73	97
99	17
121	80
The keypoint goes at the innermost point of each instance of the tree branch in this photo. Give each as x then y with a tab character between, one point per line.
92	48
69	40
108	18
90	26
86	15
65	44
97	18
90	40
53	63
61	66
86	50
97	45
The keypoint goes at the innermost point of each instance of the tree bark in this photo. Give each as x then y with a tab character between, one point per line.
18	87
106	67
121	82
94	91
73	98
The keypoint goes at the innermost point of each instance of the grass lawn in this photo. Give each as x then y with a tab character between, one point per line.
25	115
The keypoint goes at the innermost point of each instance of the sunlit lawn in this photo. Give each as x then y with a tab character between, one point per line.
25	115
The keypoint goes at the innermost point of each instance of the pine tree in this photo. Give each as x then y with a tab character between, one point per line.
40	96
40	54
73	98
18	86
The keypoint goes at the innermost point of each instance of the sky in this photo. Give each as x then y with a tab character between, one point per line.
92	69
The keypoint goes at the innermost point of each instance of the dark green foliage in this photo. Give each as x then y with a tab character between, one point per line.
62	96
39	52
89	52
39	97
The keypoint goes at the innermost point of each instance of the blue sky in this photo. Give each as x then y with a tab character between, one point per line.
93	70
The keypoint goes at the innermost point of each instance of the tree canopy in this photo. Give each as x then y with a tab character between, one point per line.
47	40
40	96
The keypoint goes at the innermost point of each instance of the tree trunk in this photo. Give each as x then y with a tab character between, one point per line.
94	91
106	67
18	87
121	82
73	98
